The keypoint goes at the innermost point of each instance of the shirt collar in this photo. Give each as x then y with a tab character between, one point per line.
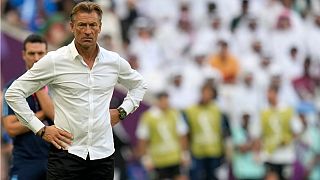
74	52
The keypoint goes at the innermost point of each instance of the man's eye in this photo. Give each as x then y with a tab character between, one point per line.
82	26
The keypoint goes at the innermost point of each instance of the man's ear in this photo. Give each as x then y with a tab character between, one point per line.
71	26
100	27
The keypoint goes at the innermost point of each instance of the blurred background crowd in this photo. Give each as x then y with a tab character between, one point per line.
260	58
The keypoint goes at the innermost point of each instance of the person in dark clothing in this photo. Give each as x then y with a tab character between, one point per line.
30	152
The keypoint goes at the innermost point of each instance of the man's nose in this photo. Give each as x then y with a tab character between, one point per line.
37	57
88	30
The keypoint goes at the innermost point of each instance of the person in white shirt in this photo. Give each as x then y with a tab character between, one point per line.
81	78
246	91
148	52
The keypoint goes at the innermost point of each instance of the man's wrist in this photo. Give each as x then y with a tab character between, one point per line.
41	132
122	113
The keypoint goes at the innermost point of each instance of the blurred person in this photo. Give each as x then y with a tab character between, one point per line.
247	161
251	38
308	148
225	62
128	13
272	9
151	60
29	150
111	24
263	72
209	36
286	91
167	36
178	92
55	30
238	20
226	10
195	72
162	141
33	13
145	46
251	58
81	78
285	35
278	124
208	130
312	34
203	10
10	14
246	91
166	10
293	64
107	42
200	11
305	85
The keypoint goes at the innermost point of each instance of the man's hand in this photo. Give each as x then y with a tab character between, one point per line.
59	138
114	115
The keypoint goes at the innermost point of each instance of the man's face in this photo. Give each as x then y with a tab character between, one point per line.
163	103
207	94
33	52
85	28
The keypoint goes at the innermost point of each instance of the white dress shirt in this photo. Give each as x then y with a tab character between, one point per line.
81	96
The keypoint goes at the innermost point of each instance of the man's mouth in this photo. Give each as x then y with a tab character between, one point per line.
87	39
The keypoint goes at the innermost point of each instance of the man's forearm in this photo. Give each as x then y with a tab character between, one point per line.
135	84
45	103
16	98
14	127
184	143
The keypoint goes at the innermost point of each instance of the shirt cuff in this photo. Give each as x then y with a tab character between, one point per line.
127	106
35	125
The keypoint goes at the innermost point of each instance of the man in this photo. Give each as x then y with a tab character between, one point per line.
81	77
163	131
247	162
208	129
278	130
29	150
225	62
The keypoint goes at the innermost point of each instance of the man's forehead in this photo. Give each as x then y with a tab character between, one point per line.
35	46
87	17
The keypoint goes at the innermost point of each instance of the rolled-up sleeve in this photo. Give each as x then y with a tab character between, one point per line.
35	78
135	84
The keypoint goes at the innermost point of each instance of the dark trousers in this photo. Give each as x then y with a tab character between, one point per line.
169	172
65	166
204	169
